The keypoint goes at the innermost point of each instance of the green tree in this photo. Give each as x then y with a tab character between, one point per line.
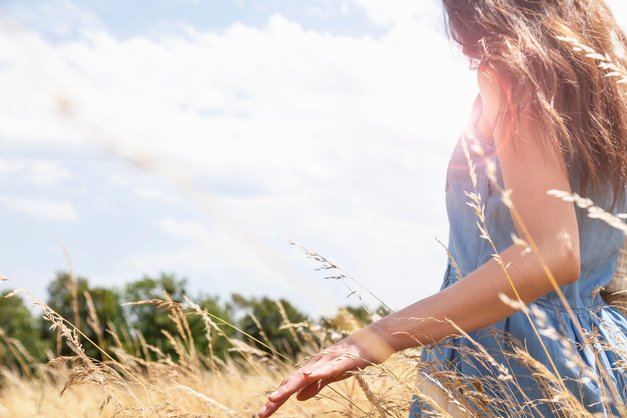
109	314
70	298
19	329
361	314
220	343
267	312
152	321
148	319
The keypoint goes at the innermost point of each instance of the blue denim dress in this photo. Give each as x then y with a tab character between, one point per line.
599	248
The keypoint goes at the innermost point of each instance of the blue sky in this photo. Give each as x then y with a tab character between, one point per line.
198	137
124	19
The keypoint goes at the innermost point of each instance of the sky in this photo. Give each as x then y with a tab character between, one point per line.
202	137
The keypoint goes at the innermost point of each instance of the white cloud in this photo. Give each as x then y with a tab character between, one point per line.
143	186
192	231
155	194
396	12
255	98
39	172
41	208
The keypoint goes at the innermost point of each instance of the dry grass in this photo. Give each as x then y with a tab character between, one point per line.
135	385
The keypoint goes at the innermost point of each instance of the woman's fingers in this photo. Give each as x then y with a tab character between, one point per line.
335	367
305	377
303	372
291	385
313	389
270	408
295	383
331	365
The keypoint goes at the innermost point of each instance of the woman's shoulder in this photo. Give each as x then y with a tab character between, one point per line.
507	113
492	92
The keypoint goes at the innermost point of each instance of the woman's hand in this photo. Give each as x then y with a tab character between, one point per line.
337	362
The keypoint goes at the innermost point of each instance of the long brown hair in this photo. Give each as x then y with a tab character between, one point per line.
544	50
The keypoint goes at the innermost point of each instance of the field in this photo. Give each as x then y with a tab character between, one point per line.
141	380
149	383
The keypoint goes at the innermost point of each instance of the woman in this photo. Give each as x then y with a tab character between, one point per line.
547	117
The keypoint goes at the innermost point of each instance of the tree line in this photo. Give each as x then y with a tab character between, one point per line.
112	316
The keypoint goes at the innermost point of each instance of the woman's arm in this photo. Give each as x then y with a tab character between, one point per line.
529	170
